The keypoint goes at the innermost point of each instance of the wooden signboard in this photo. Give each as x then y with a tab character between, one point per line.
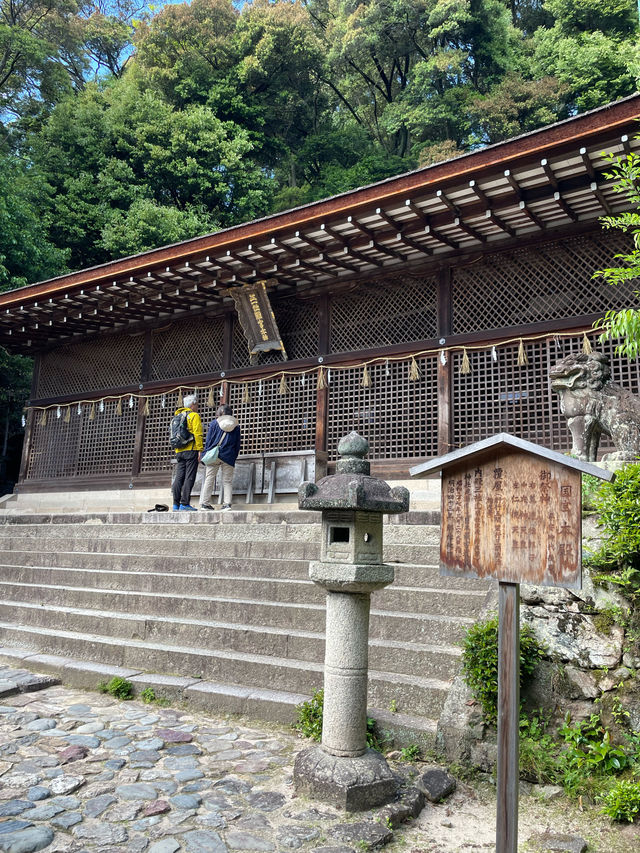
257	319
511	510
513	517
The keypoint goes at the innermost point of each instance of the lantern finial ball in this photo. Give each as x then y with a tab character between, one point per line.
352	450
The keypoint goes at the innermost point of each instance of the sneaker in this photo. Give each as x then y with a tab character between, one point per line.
176	507
188	508
225	506
206	506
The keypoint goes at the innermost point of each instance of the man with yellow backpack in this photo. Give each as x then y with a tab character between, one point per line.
185	437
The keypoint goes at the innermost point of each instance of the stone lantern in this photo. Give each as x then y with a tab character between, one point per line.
342	770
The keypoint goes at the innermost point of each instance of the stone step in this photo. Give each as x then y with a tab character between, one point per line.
204	549
229	526
413	575
420	696
65	581
409	626
386	655
216	698
167	547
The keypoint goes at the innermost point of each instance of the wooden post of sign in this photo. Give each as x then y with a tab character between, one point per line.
508	717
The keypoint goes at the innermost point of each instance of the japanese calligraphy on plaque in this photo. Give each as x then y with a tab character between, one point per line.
514	517
257	320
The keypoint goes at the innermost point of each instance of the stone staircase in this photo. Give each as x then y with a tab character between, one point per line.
218	609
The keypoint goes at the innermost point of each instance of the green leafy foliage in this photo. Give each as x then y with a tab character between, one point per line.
622	802
590	754
624	325
410	753
309	722
118	687
480	663
617	561
583	757
148	695
144	125
590	489
538	750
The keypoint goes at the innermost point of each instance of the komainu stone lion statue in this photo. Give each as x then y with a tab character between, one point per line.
594	405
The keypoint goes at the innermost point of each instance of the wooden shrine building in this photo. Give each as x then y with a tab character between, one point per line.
423	311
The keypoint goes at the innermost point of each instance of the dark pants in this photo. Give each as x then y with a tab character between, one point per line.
186	470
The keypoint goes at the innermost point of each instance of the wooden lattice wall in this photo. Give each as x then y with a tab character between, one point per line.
385	313
84	447
397	416
272	422
501	396
188	348
108	362
531	285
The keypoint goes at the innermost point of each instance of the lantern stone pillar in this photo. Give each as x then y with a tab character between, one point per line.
342	770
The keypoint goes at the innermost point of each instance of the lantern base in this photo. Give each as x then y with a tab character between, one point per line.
352	784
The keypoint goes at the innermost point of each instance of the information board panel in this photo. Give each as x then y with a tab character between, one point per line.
509	515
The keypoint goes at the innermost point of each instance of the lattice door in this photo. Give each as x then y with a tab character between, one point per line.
106	443
384	313
188	348
532	285
109	362
397	416
499	396
277	423
84	447
156	453
54	447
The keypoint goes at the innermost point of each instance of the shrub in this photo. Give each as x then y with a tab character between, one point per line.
590	756
310	716
310	721
618	559
148	695
623	801
118	687
480	663
538	751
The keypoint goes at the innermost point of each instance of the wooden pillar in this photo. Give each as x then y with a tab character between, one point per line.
508	775
322	401
28	430
227	344
145	373
26	446
445	421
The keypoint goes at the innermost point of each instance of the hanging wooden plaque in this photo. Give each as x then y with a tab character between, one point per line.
257	319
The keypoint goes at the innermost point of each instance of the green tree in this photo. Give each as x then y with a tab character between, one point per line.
624	324
109	147
590	49
25	256
35	42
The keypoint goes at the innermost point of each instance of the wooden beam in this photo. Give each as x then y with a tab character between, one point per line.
346	244
373	237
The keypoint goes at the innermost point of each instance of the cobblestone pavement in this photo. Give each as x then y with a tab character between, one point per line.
82	771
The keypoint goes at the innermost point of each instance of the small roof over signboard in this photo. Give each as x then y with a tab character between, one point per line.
505	441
